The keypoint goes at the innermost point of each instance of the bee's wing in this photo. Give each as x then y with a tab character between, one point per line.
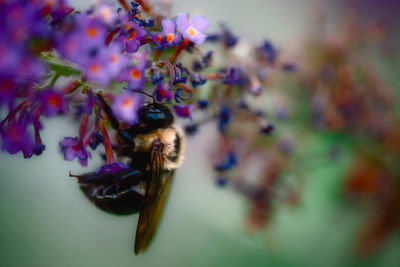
153	203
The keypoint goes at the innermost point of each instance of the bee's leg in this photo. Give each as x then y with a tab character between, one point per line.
114	122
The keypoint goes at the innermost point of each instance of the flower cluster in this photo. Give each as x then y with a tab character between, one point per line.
44	40
348	99
116	55
26	33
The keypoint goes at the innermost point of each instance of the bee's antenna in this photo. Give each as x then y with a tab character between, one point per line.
143	93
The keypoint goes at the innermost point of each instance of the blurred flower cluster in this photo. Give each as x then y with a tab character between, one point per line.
347	98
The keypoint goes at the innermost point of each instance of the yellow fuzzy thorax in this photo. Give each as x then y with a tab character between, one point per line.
167	136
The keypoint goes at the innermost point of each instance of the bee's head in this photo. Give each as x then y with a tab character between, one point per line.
155	116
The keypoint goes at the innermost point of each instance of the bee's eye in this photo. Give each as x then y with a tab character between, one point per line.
156	115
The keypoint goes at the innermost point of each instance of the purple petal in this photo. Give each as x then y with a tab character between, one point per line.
132	46
126	106
83	162
199	38
200	23
162	93
183	22
182	111
69	154
113	167
168	26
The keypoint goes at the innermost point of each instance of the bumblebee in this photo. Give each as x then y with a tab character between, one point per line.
153	150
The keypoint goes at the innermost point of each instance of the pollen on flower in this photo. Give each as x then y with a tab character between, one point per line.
114	57
127	102
170	37
159	38
191	31
54	100
132	35
91	32
94	68
135	74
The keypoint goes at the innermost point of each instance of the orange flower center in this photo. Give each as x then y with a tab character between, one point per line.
159	38
113	58
127	102
135	74
132	35
191	31
170	37
54	100
94	68
91	32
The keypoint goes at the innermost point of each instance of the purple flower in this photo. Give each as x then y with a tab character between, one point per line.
91	29
15	61
72	147
130	36
58	9
193	31
135	77
156	76
178	95
207	58
7	91
95	139
223	119
203	103
113	167
226	36
227	163
267	51
169	31
116	60
162	93
183	111
180	76
52	102
232	76
17	137
30	68
158	40
126	105
84	42
22	19
197	79
95	69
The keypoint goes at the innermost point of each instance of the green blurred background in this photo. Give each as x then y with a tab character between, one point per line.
46	221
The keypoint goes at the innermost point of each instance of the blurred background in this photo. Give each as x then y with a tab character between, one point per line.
46	220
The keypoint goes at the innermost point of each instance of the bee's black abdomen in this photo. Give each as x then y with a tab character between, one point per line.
124	202
119	192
